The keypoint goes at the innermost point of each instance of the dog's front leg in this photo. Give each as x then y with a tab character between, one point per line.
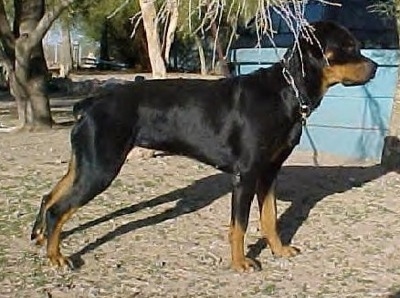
242	196
268	218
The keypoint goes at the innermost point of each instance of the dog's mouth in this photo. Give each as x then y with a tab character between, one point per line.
370	75
358	83
363	73
349	83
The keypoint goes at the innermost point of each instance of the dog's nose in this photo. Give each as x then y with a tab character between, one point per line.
374	67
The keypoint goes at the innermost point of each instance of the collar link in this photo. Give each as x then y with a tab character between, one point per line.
305	112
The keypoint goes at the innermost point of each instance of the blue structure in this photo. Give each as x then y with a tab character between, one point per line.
351	121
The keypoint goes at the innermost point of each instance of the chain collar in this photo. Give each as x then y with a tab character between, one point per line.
305	109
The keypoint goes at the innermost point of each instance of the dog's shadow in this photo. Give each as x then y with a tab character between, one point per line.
189	199
303	186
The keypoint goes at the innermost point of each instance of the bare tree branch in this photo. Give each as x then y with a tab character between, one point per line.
150	24
173	15
46	21
215	15
5	60
6	34
136	20
118	9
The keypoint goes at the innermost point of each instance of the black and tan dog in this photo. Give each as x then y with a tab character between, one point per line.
246	126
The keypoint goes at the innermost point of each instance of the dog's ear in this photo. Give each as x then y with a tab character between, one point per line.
332	37
314	48
319	45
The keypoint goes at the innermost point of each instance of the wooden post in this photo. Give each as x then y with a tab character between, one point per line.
391	149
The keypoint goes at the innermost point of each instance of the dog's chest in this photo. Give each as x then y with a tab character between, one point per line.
279	143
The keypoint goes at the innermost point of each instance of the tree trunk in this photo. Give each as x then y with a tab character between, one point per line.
223	68
30	70
37	89
22	52
36	70
66	49
153	41
18	91
28	84
104	49
172	25
202	56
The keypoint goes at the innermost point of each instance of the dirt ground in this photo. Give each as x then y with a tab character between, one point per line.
161	229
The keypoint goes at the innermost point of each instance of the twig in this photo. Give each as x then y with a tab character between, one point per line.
138	16
118	9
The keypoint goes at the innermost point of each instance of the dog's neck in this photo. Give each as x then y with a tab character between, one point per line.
306	73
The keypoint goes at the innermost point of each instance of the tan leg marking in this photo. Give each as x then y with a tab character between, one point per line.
62	187
40	238
239	261
268	217
53	243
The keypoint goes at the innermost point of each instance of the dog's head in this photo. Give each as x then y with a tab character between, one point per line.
339	52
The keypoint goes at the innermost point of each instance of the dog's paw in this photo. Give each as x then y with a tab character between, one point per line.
286	251
245	265
40	239
38	235
58	260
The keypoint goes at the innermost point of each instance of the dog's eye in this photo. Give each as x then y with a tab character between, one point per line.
350	49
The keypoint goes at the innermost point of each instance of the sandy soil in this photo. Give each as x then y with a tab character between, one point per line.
161	229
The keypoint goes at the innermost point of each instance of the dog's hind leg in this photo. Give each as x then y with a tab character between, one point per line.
86	182
39	227
97	157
